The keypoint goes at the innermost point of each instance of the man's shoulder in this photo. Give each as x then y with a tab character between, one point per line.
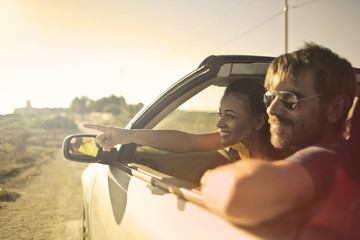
321	162
325	152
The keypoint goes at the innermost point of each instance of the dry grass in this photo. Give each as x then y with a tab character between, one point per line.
24	148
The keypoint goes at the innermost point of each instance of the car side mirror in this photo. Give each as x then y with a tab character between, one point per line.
82	148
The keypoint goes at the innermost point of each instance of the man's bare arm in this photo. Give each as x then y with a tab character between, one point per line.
251	192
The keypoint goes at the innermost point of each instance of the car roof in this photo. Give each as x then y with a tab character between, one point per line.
228	65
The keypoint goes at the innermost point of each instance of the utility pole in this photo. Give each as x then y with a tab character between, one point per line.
285	26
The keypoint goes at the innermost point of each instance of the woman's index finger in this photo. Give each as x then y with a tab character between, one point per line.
100	128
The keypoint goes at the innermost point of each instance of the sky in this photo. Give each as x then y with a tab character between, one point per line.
52	51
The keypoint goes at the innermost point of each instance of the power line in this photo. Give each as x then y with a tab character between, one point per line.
254	28
266	21
304	4
230	11
220	19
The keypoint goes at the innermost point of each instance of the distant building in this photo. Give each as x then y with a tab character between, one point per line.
28	104
29	110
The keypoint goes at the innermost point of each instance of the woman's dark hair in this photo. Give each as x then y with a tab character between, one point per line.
250	91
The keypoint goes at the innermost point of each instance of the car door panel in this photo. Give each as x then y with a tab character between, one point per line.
127	207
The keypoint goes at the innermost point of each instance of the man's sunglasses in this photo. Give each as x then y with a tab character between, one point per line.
288	99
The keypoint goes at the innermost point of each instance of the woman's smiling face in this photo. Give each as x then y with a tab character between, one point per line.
235	123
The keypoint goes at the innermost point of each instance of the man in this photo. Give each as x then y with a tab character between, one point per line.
310	92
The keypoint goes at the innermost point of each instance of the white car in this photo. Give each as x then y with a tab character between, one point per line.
135	192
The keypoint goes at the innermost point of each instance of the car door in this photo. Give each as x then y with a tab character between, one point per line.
127	207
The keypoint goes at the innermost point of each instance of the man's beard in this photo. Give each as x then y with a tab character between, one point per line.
279	137
289	137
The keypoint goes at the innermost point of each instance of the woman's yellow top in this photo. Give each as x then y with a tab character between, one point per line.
241	149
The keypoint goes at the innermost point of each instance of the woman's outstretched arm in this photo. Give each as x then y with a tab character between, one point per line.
166	140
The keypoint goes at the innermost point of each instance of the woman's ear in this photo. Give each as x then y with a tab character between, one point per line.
260	121
338	107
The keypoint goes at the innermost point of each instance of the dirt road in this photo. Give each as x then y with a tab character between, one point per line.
50	206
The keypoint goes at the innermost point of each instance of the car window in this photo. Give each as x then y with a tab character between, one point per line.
197	115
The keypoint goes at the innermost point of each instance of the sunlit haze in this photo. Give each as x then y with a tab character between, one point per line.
54	51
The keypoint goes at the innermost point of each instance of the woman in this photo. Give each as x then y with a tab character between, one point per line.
242	126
